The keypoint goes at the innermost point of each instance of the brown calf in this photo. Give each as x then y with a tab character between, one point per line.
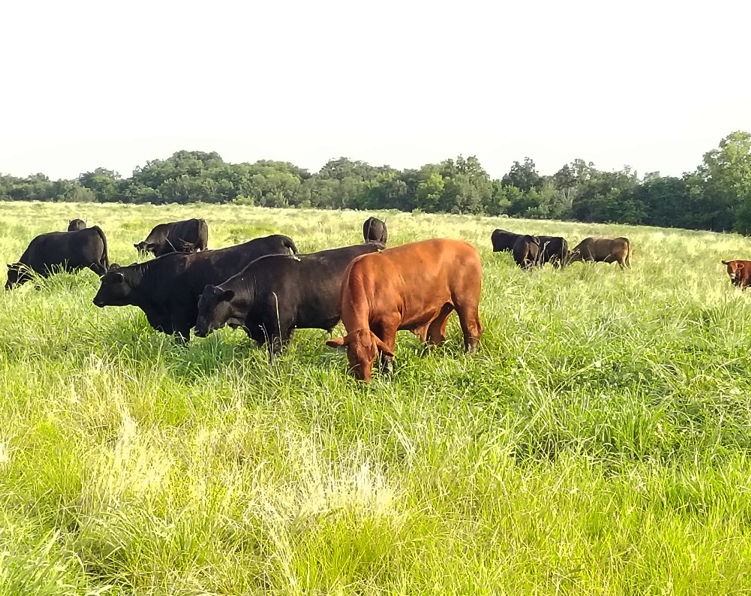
413	287
605	250
739	272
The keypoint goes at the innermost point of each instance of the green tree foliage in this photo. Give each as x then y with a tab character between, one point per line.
727	182
105	184
717	196
523	176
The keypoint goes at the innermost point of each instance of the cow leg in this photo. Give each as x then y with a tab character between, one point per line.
160	321
469	318
386	332
181	324
437	329
278	341
421	332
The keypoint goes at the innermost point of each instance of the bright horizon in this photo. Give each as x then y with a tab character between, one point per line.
653	85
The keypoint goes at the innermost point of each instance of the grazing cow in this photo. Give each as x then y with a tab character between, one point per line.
278	293
503	240
526	251
553	250
157	236
374	230
739	272
186	236
167	288
415	287
76	224
71	251
606	250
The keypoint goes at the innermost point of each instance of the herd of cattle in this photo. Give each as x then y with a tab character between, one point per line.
531	251
268	289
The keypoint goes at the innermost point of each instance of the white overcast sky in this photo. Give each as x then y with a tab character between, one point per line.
107	83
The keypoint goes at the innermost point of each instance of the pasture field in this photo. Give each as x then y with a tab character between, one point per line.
598	443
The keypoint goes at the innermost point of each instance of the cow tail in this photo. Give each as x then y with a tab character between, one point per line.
105	256
278	330
628	253
203	226
289	243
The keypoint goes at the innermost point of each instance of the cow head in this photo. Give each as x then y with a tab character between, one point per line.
214	310
573	256
18	274
735	269
145	248
113	291
362	349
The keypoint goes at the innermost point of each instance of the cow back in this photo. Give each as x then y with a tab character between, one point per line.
73	250
414	279
301	291
503	240
185	236
374	230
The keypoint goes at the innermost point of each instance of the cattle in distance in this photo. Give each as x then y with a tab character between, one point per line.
553	250
526	251
69	251
414	287
374	230
157	236
529	250
503	240
191	235
603	250
739	272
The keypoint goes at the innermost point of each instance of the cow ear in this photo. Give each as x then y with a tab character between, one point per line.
726	262
740	265
227	295
117	277
383	347
338	342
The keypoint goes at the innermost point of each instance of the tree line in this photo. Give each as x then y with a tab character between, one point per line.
716	196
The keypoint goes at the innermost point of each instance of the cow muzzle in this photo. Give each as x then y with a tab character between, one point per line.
98	302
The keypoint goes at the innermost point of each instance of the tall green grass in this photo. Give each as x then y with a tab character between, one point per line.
598	443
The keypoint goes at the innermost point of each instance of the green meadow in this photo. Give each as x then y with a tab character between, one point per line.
599	442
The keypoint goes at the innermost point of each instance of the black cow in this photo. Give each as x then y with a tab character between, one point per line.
553	250
155	239
276	294
167	288
76	224
503	240
69	250
186	236
526	251
374	230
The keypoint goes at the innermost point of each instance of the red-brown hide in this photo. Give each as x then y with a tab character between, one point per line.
414	287
739	272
